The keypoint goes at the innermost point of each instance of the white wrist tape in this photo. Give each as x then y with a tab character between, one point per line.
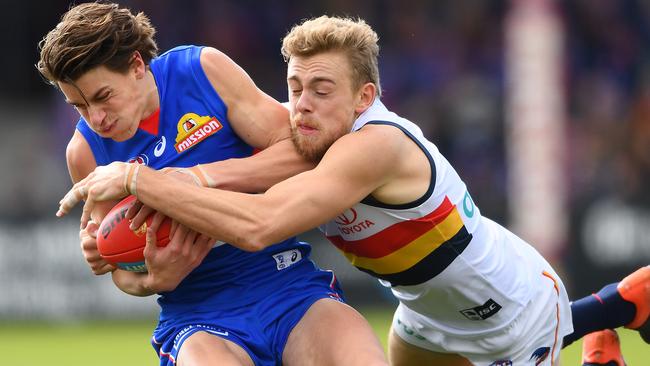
203	177
198	175
131	178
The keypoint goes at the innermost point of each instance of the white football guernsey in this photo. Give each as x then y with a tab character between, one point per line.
466	275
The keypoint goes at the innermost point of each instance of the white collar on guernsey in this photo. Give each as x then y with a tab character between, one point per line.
377	111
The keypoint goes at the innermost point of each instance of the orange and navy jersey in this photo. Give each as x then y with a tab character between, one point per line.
411	243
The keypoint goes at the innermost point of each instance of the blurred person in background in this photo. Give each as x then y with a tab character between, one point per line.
193	105
470	291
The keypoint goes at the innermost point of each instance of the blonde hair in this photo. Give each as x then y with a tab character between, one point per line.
354	37
91	35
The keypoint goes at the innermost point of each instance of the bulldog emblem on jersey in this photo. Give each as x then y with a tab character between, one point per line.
193	129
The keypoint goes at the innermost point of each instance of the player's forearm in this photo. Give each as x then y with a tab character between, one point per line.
235	218
259	172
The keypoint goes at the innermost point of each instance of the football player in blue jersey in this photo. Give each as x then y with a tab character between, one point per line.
193	105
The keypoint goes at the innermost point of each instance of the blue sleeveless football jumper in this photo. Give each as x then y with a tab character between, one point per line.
252	299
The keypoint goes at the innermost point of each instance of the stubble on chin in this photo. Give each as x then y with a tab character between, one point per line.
305	148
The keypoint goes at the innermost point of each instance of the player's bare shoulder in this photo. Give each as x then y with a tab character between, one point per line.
380	139
256	117
408	170
226	77
79	157
393	135
213	60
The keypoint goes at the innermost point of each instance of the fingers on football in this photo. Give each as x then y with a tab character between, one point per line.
133	210
156	220
141	216
92	257
188	243
103	269
178	238
91	229
204	244
202	239
173	228
88	243
150	243
95	261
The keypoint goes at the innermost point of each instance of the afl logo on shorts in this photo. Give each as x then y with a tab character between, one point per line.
346	218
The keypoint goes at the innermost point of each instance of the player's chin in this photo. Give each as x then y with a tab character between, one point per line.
311	152
118	133
119	137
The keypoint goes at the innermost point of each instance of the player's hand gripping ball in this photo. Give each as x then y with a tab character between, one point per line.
123	247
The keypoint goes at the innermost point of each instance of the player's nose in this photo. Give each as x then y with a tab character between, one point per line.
96	116
303	104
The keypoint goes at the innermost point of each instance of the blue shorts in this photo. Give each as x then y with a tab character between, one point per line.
260	323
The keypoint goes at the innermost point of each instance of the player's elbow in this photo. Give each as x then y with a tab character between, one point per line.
251	245
258	236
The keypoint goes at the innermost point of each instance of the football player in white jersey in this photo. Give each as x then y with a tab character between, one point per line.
470	291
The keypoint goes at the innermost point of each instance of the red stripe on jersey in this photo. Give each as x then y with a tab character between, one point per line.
395	236
150	124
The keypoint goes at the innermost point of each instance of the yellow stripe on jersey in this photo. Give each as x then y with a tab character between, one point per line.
409	255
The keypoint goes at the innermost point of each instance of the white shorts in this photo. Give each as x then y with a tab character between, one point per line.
534	337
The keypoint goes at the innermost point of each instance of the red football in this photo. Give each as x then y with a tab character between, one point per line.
123	247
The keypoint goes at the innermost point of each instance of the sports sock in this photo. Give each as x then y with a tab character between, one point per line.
603	310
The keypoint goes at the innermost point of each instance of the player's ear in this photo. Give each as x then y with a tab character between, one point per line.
137	65
366	97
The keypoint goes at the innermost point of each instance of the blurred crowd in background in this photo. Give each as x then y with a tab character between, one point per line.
441	65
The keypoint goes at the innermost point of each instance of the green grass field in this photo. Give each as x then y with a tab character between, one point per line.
127	343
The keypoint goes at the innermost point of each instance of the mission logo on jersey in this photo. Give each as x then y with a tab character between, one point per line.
193	129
